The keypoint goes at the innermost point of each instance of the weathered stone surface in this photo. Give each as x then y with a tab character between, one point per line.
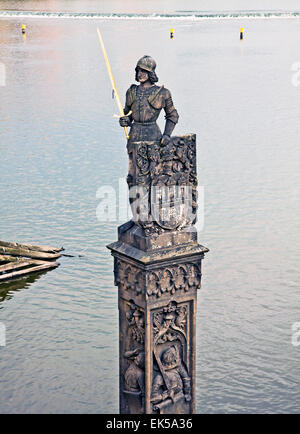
158	273
157	305
163	192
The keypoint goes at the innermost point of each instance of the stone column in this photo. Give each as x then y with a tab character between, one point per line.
157	266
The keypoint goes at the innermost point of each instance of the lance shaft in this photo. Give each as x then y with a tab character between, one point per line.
112	80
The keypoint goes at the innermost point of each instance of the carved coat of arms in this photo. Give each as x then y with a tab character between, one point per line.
168	176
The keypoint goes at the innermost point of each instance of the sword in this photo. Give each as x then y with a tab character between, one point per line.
112	80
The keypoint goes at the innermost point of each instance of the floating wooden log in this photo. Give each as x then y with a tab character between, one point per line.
17	260
18	251
46	249
16	265
29	267
7	258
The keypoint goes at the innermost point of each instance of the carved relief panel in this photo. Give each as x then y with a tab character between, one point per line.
172	359
171	279
157	282
132	358
168	179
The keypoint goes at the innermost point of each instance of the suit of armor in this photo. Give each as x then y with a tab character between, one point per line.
175	379
143	105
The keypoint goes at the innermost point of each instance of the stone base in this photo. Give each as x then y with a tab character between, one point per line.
134	235
157	306
158	273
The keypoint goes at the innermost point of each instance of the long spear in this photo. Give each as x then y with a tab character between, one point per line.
112	80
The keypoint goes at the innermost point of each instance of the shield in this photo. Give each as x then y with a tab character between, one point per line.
170	204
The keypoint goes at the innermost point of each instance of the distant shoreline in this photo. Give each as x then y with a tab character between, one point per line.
178	17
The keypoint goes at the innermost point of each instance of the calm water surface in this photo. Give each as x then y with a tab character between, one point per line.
59	143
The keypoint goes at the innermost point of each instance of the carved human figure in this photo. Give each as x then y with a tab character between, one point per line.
142	108
134	381
134	376
153	284
193	276
173	381
136	329
180	278
166	281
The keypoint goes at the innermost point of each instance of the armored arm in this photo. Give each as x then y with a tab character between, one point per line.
126	121
171	117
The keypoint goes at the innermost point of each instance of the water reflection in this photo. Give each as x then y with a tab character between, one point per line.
8	289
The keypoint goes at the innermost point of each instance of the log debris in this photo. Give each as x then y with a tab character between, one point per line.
22	259
43	265
7	258
27	253
46	249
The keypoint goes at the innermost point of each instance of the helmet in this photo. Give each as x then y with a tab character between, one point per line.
146	63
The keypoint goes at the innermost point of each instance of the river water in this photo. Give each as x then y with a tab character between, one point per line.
59	144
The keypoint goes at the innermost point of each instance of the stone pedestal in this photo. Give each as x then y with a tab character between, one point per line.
157	268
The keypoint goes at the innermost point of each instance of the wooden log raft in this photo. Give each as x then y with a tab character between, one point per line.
17	251
29	251
21	268
46	249
22	259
